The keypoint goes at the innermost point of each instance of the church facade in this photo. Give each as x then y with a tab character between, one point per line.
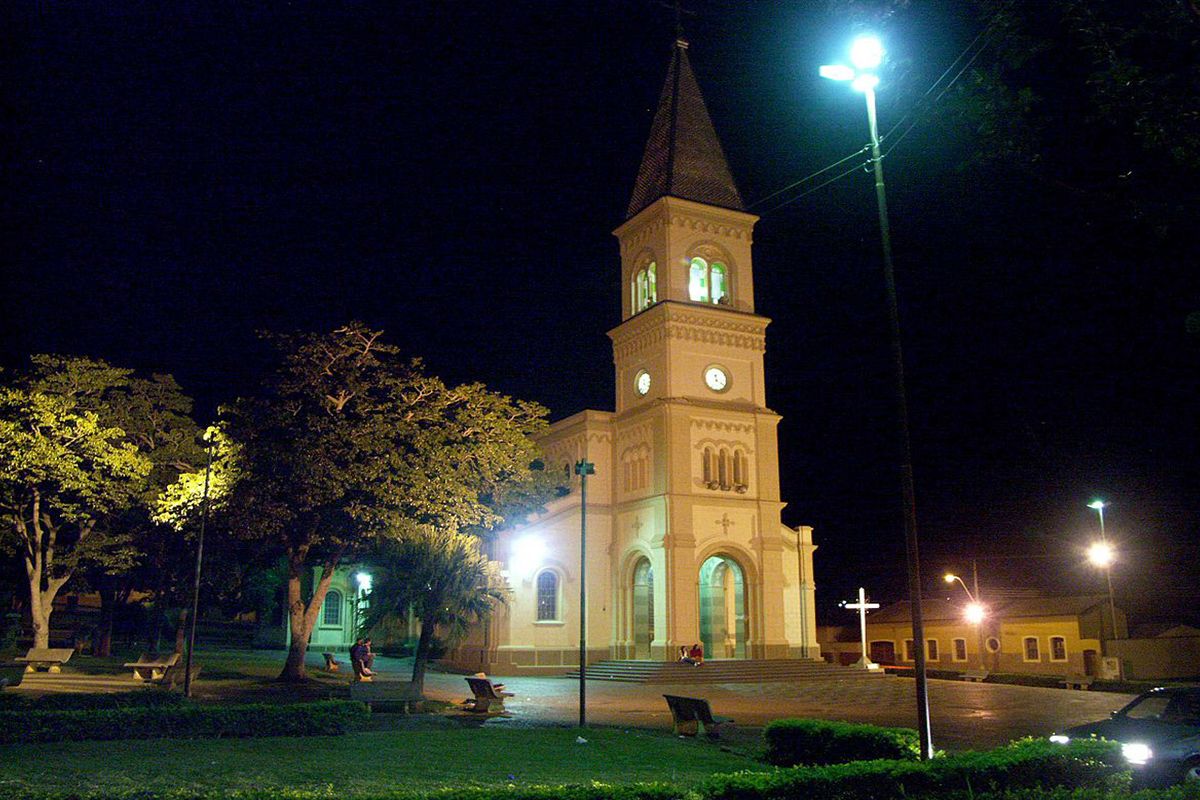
684	539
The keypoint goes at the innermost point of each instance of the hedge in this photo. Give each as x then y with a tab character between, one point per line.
330	717
82	701
814	741
1027	763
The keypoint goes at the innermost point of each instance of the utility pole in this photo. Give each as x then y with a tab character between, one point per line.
583	468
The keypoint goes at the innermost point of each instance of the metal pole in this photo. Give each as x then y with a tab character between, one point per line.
1112	604
583	468
906	470
979	600
187	662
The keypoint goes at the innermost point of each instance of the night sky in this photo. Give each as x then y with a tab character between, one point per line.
451	172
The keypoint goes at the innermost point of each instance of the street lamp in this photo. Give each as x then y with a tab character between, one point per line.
583	468
1102	555
866	54
209	437
975	612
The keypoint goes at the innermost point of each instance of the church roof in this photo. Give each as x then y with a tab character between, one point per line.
683	156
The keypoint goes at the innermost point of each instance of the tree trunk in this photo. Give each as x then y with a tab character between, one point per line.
39	615
108	609
302	617
181	630
421	659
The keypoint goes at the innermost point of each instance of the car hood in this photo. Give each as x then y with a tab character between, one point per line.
1164	738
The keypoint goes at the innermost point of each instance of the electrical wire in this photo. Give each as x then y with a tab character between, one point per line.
807	178
819	186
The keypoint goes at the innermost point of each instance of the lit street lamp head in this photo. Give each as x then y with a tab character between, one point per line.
975	613
950	577
1097	504
866	52
1102	555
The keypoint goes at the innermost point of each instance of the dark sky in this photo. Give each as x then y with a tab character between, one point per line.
183	175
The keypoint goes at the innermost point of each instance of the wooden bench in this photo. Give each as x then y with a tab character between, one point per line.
52	658
151	668
1082	682
385	696
487	696
976	675
11	674
690	713
331	662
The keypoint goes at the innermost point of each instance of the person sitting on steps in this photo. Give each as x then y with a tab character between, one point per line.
696	654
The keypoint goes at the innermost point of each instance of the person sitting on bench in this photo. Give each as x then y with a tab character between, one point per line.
361	659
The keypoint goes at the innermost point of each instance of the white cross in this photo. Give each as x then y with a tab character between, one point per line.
862	607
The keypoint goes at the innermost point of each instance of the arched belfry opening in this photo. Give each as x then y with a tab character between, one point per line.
643	608
723	628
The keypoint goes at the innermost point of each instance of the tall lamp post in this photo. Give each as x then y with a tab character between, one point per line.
866	54
976	611
187	662
1102	555
583	468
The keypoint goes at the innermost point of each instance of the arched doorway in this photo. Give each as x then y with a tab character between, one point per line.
643	608
723	608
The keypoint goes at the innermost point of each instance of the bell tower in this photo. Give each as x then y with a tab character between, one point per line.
696	459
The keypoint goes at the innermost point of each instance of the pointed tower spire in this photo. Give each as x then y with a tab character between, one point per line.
683	156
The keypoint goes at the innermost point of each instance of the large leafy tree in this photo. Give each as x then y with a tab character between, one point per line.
64	472
442	578
348	442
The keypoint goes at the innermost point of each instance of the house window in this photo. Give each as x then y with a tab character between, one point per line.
1031	649
332	612
931	649
547	596
707	282
908	649
643	288
1058	648
960	649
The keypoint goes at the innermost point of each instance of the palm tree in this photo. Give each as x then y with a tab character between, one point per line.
442	578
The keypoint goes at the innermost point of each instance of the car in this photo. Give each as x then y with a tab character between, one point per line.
1159	732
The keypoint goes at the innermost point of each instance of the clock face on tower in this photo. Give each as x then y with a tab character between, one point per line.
641	383
716	379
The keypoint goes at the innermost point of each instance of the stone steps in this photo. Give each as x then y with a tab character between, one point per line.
723	671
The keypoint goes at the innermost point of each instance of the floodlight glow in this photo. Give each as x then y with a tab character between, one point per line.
1137	753
1097	504
866	52
950	577
1101	554
864	83
837	72
365	581
1059	738
975	613
527	553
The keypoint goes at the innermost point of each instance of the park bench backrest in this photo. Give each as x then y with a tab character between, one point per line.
483	688
49	655
689	709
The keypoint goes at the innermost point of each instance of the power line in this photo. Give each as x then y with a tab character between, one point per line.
807	178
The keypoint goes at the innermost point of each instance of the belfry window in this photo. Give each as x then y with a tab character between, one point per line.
707	282
644	288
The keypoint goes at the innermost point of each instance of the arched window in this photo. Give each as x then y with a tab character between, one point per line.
644	288
739	472
547	596
332	613
708	282
723	469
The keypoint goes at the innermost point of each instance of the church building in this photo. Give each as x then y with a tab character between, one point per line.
684	538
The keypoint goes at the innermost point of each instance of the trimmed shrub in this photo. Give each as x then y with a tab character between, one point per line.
815	741
1027	763
137	698
592	791
327	718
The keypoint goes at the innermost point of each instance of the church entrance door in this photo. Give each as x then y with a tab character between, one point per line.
723	608
643	609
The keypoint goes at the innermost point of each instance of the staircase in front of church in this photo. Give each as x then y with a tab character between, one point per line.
723	671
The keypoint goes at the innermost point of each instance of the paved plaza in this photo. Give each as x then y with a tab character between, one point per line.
964	715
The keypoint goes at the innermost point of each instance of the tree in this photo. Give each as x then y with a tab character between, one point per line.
439	576
347	443
63	470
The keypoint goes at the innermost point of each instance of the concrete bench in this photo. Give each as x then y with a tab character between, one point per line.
976	675
173	675
52	658
151	668
1081	682
11	675
384	696
489	697
690	713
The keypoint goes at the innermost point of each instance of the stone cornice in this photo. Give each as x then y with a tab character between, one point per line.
671	319
688	215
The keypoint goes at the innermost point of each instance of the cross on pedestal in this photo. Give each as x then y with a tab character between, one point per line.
862	607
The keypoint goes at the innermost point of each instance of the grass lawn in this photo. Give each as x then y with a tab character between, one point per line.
420	757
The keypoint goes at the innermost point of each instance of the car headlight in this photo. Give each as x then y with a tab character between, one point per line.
1058	738
1137	753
